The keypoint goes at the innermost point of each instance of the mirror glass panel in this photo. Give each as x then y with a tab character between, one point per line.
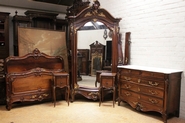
94	50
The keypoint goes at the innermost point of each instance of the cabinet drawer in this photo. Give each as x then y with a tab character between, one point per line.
152	100
107	82
61	81
141	81
129	94
142	89
149	107
130	72
153	74
142	98
141	73
135	103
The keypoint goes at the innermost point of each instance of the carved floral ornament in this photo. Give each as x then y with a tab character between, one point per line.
94	13
94	10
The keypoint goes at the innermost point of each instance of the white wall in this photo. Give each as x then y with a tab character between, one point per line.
157	33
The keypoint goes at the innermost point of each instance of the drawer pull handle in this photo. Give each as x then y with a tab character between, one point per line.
1	69
2	76
127	78
34	96
127	94
127	86
139	80
139	97
135	103
153	92
138	89
153	84
153	101
40	97
45	95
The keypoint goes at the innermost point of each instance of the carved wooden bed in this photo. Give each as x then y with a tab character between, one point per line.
29	77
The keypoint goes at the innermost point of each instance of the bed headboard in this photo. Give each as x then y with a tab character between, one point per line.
36	59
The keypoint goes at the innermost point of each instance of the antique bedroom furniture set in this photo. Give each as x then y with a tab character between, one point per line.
143	88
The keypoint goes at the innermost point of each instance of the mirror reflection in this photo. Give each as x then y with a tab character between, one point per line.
94	53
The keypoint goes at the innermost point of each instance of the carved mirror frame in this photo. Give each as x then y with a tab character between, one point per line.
79	14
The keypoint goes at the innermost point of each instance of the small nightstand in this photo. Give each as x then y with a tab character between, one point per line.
98	72
107	81
61	80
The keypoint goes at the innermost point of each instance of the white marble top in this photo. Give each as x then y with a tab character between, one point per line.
153	69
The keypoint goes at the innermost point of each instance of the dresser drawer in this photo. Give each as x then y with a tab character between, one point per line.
149	107
151	100
140	105
143	89
130	72
153	74
141	73
61	81
107	82
143	81
142	98
129	94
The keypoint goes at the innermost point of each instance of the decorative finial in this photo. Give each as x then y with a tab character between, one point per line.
96	4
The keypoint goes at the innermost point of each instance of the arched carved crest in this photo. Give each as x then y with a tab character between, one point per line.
93	13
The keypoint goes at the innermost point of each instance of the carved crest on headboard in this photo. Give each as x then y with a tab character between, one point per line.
36	53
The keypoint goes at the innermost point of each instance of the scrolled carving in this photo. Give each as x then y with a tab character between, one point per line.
76	86
39	97
139	107
93	95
